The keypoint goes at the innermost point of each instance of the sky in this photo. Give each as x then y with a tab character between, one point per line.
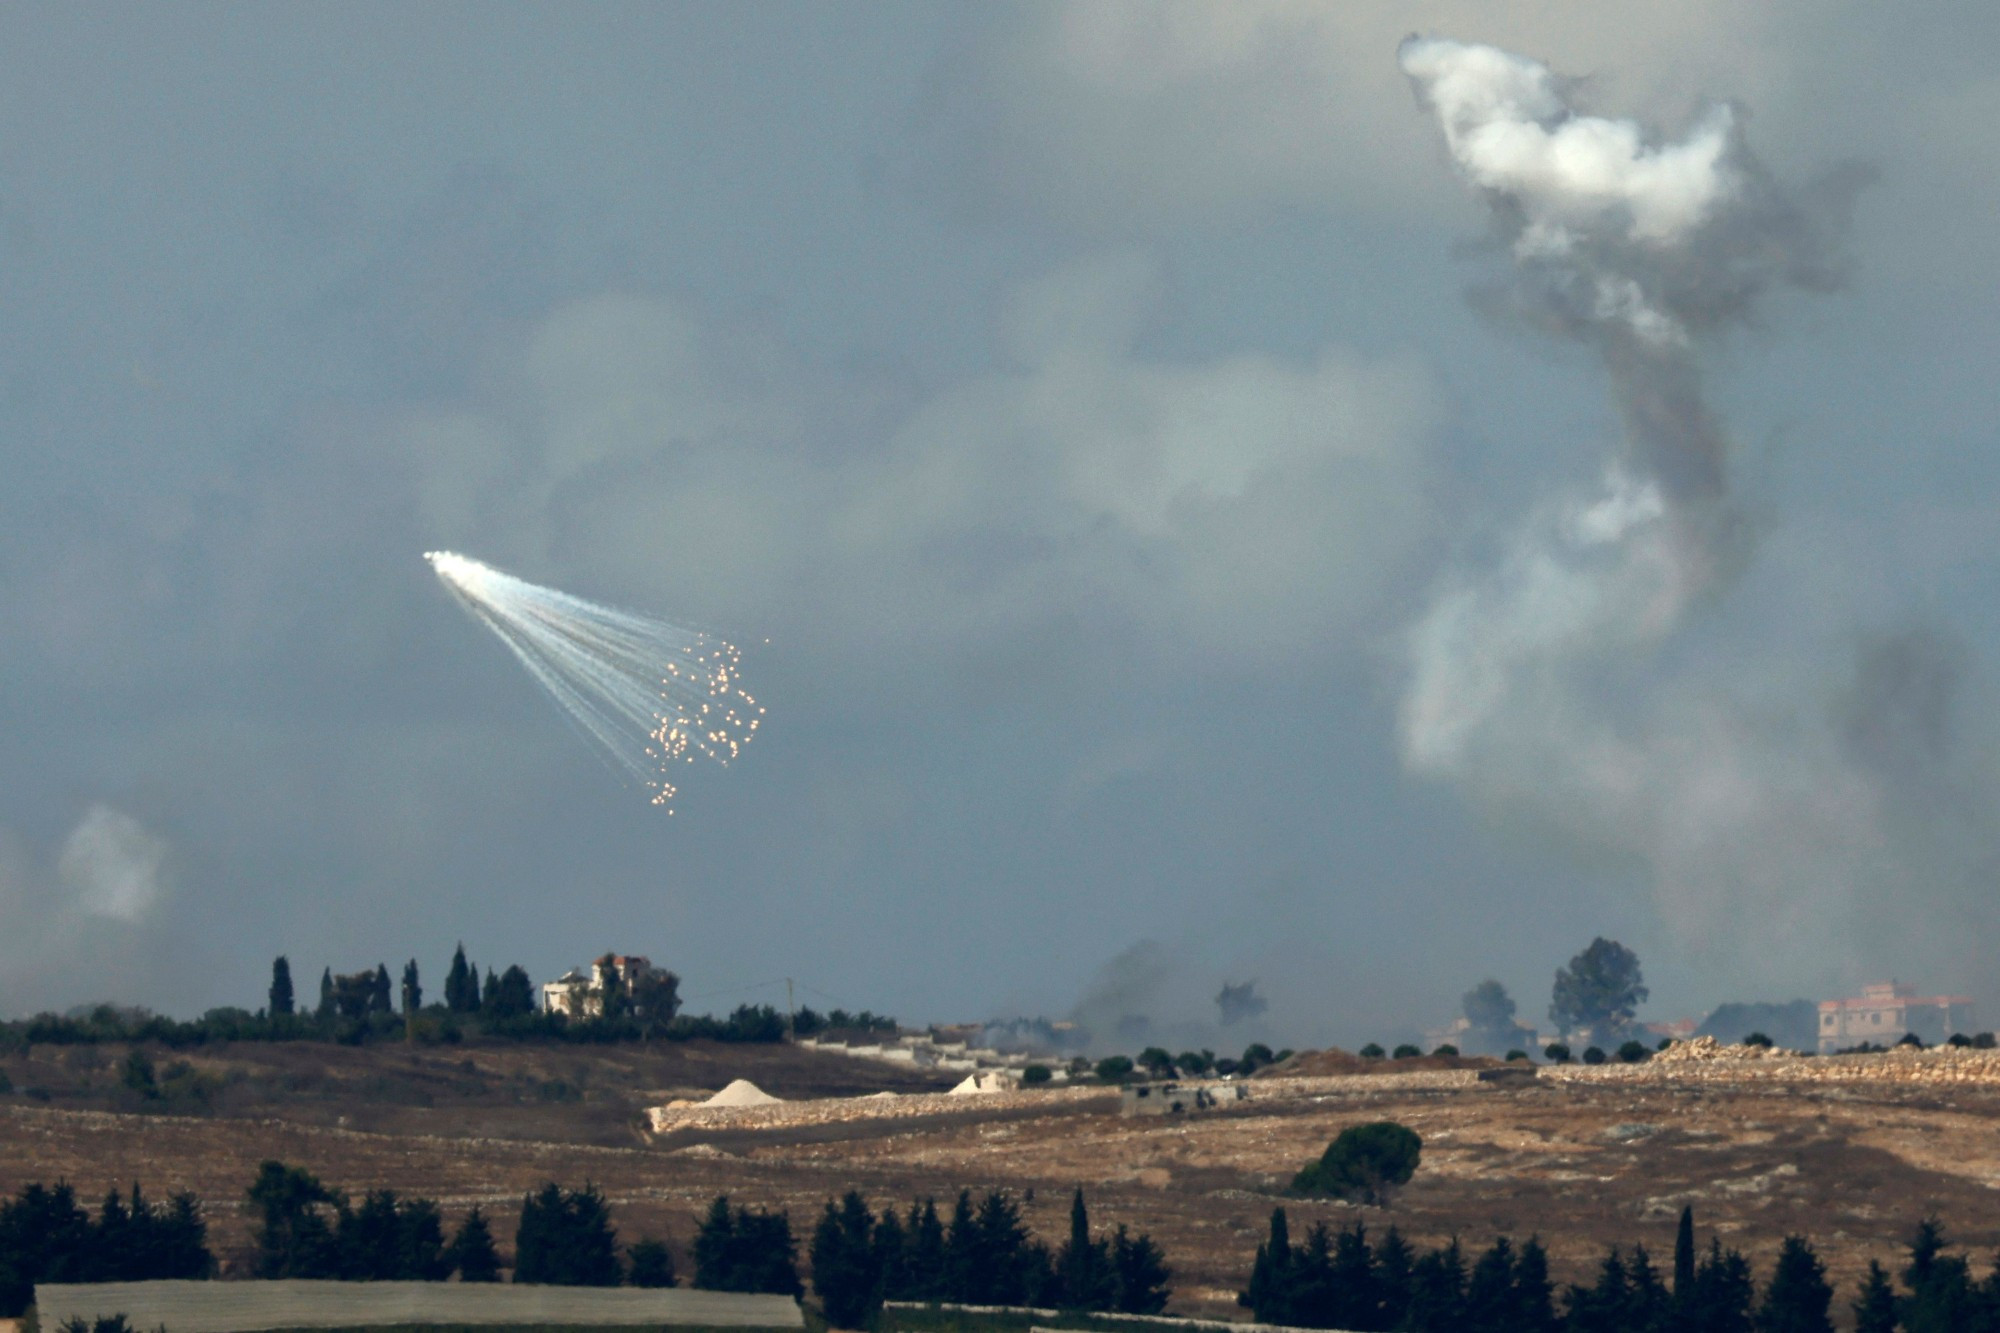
1230	494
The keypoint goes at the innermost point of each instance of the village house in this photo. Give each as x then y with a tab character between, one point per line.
1885	1010
577	995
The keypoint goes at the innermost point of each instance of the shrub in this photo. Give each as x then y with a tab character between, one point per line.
1556	1053
1982	1041
651	1264
1446	1049
1114	1068
1911	1039
1372	1052
1958	1039
1634	1052
1516	1055
1593	1056
1364	1163
1037	1074
1406	1052
1757	1039
1663	1043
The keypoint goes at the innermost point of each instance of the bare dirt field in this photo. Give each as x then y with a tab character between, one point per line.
1850	1152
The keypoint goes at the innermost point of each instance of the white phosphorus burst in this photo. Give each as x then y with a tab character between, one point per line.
652	694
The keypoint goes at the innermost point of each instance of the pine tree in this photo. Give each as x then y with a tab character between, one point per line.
1940	1296
1140	1274
1393	1264
1875	1312
281	987
1357	1302
1798	1297
924	1261
892	1255
472	1252
1534	1295
293	1237
1489	1294
846	1267
1437	1289
565	1239
1723	1292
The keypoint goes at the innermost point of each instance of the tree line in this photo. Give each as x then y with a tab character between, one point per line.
985	1255
1347	1281
364	1006
303	1228
47	1236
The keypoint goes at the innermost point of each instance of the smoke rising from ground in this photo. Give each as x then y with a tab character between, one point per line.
1548	685
81	929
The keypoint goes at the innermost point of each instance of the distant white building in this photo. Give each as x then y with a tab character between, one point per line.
579	996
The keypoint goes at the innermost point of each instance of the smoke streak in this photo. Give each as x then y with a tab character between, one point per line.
650	693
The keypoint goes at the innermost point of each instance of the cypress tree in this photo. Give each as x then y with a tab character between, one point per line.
378	992
413	990
326	993
281	987
1083	1275
489	997
461	991
1684	1258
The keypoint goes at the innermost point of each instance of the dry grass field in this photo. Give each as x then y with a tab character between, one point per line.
1849	1155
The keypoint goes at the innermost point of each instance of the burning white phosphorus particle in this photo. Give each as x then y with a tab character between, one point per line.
651	693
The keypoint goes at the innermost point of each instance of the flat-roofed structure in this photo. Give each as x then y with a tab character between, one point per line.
1885	1011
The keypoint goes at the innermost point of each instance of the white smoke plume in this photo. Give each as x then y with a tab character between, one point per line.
1549	683
112	865
85	924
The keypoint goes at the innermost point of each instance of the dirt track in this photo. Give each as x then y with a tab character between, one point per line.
1580	1158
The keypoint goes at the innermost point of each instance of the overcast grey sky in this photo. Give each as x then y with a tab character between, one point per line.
1109	413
